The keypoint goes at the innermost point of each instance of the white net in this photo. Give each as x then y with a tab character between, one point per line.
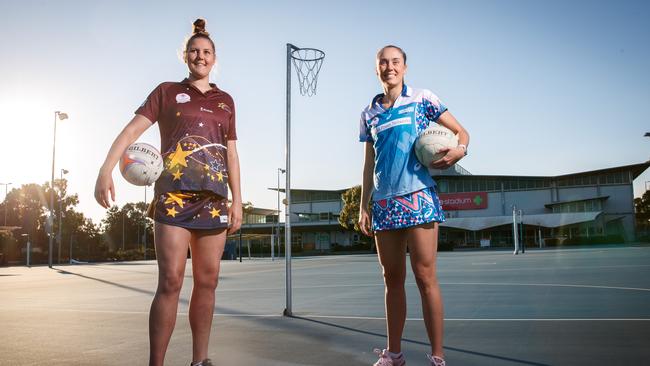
307	62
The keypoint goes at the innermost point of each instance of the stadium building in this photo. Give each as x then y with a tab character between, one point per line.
592	206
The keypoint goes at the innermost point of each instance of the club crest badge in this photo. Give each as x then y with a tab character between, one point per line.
182	98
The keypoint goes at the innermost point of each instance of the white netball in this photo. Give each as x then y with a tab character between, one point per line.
141	164
431	141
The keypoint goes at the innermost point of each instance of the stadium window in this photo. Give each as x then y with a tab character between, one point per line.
467	185
530	184
627	177
618	177
299	196
490	185
482	185
324	216
475	185
443	186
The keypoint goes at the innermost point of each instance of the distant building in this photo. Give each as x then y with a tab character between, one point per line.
587	204
479	209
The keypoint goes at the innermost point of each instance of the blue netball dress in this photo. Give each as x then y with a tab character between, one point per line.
404	193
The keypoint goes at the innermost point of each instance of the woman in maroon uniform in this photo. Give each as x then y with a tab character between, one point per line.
197	131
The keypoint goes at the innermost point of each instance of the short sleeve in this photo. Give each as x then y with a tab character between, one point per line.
152	105
232	129
364	130
433	107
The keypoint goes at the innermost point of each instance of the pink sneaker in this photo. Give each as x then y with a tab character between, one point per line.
386	360
436	361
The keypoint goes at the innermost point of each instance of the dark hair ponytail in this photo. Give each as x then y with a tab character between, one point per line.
198	31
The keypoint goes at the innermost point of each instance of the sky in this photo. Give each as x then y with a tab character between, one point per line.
543	87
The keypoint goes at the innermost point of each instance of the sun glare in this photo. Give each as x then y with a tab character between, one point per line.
27	143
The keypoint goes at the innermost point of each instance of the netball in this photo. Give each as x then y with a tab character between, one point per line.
141	164
431	140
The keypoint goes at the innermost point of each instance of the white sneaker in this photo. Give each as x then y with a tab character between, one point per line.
436	361
386	360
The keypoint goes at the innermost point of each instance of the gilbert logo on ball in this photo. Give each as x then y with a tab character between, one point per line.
141	164
431	141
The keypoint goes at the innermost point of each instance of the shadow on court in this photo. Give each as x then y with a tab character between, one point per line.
547	307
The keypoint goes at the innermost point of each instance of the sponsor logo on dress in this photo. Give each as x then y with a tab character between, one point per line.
182	98
225	107
406	110
394	123
223	219
206	110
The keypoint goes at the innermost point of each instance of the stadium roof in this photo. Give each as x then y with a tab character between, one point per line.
550	220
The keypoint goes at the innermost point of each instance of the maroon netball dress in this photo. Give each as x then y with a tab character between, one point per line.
192	191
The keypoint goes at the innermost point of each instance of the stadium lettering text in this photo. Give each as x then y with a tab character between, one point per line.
463	201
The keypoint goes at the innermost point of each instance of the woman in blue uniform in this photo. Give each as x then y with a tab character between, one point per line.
404	210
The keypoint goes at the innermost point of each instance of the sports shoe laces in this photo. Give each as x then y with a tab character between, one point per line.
384	358
436	361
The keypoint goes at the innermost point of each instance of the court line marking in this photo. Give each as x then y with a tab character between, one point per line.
442	284
480	319
547	284
361	317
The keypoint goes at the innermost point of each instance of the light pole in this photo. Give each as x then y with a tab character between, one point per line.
29	249
123	230
59	235
6	203
145	222
514	229
280	171
58	115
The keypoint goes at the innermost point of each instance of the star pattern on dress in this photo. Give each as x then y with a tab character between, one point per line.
172	212
177	198
178	157
177	175
220	176
215	212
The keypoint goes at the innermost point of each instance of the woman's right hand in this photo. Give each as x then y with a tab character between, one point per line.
103	187
365	222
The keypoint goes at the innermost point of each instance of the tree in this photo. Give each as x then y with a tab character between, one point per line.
27	208
642	214
124	227
349	217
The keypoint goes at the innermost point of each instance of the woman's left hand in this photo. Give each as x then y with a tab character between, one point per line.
453	155
234	217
